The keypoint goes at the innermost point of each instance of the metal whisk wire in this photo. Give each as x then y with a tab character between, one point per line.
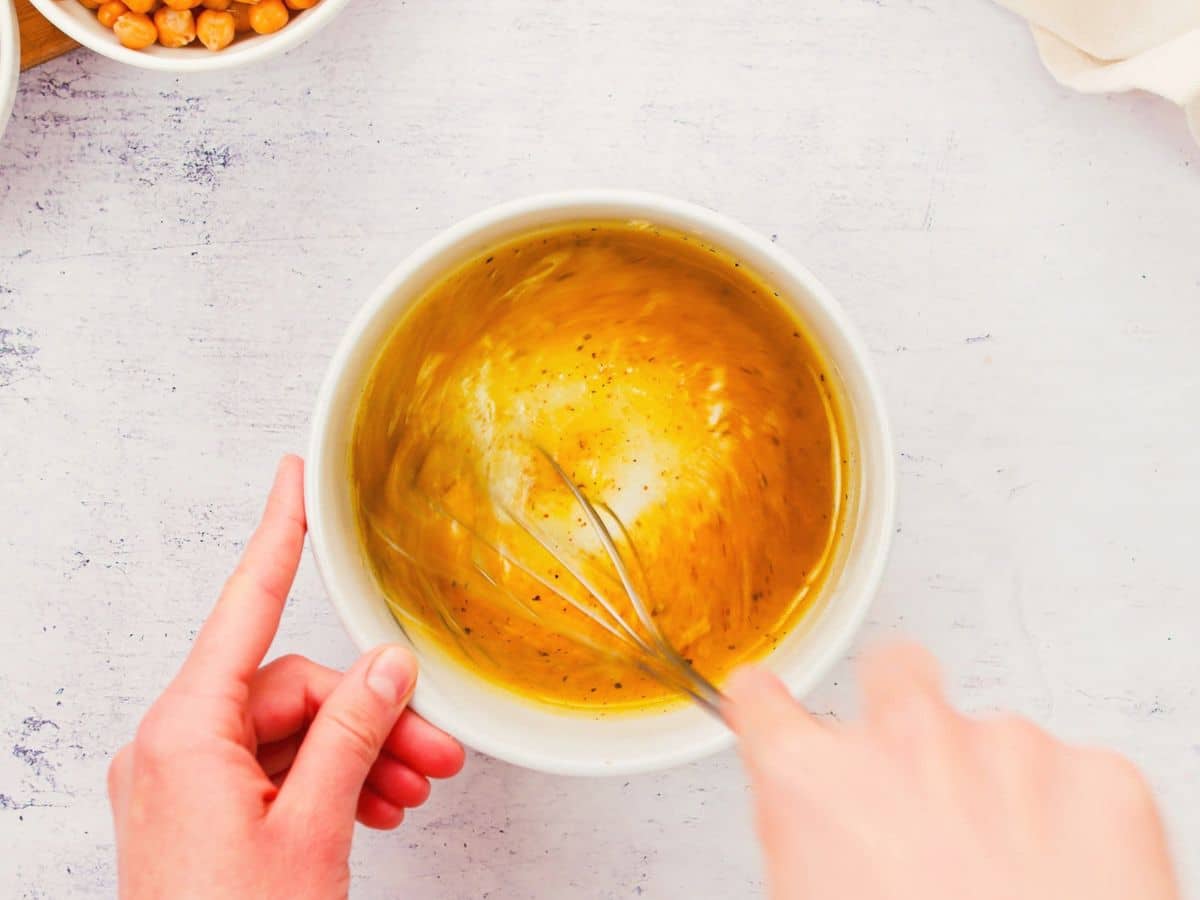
648	649
658	647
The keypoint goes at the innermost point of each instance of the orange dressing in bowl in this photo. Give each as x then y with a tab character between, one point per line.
672	385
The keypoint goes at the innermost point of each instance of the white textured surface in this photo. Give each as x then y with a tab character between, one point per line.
177	259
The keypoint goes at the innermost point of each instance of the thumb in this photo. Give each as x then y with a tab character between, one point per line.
347	736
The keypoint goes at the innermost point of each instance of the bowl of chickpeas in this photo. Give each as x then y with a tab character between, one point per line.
189	35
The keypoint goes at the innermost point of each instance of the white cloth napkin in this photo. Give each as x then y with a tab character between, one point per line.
1101	46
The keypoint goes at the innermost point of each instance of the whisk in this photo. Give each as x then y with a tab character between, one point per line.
641	641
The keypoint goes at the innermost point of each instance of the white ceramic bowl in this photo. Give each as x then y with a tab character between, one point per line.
71	18
10	60
483	716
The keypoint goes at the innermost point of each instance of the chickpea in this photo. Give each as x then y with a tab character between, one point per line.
301	4
268	16
176	27
241	16
215	29
109	12
219	5
135	30
141	6
181	4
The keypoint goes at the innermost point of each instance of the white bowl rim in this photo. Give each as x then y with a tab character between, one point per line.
10	44
191	58
636	204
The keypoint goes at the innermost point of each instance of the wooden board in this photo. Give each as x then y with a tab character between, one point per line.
40	40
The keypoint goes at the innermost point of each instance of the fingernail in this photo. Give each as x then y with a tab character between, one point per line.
391	675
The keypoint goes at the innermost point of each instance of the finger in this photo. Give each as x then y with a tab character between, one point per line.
286	694
425	748
277	757
347	735
120	775
397	783
243	623
764	716
899	674
389	778
375	812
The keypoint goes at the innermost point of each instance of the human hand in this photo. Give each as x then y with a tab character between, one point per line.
918	801
245	781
